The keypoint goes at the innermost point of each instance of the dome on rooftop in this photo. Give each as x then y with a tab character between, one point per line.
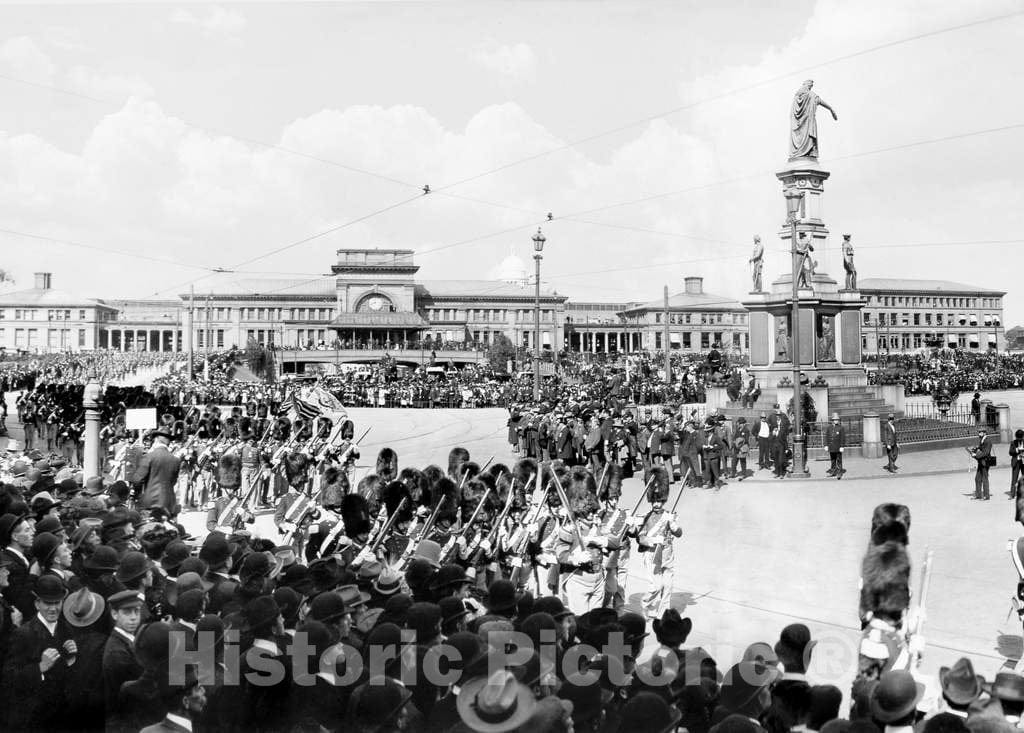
513	270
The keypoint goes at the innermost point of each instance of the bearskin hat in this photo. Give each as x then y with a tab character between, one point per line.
523	471
370	489
885	581
447	490
295	466
469	470
387	464
581	492
347	431
335	487
456	457
658	489
417	484
890	522
393	494
611	483
213	427
433	474
355	513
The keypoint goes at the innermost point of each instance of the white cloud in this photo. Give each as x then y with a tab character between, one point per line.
115	87
220	23
516	61
22	57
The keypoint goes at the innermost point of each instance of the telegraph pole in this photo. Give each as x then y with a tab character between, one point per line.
664	342
190	334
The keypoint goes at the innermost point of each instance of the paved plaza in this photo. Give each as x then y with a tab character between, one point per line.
762	553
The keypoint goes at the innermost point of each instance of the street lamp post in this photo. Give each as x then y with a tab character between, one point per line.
92	399
538	248
794	202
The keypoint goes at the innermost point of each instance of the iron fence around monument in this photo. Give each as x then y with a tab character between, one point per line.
926	427
852	426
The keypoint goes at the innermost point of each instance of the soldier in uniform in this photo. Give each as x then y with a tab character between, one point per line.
655	542
613	524
579	546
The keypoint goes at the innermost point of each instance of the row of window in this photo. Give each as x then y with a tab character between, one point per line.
30	338
925	319
279	314
687	340
906	341
704	318
929	301
485	315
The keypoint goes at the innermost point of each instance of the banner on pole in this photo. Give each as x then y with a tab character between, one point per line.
140	418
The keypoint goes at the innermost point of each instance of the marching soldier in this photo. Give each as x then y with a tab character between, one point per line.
655	541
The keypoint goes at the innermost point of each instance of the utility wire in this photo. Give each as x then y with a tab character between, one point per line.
731	92
95	247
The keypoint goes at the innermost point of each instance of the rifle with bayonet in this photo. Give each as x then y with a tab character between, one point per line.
413	541
450	545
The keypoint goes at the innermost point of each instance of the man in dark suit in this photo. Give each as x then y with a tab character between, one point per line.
36	668
892	448
780	441
981	453
157	475
16	535
835	441
1016	461
564	448
119	662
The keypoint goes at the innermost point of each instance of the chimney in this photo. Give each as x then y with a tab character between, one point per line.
43	280
694	285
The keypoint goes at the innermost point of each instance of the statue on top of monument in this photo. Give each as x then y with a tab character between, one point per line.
851	269
757	263
803	127
806	267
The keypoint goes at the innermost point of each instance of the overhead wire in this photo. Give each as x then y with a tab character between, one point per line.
98	248
736	90
572	216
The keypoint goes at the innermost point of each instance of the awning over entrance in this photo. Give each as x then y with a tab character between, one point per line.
379	320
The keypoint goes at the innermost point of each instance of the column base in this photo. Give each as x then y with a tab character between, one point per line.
872	450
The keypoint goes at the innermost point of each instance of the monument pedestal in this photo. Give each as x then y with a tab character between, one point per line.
830	337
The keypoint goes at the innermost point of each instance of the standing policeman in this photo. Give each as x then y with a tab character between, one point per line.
835	440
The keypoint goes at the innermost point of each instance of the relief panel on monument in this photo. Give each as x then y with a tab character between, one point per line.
850	335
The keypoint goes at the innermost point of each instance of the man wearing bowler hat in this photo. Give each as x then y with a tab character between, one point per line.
36	667
982	453
892	448
894	699
157	475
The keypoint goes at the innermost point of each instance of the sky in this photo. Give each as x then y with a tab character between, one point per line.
144	145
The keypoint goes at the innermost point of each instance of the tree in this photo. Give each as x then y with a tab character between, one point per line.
500	353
